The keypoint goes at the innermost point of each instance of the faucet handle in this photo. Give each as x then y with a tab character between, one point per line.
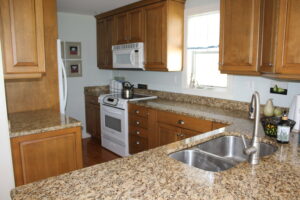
244	142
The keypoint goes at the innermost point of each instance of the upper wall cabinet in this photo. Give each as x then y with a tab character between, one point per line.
239	36
105	39
129	26
22	32
157	23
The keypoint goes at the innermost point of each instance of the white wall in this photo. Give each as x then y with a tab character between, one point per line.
239	88
74	27
6	168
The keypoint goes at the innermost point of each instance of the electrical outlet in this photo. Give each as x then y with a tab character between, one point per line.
143	86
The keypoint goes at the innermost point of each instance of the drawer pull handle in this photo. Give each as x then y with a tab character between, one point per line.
137	132
137	142
180	122
137	123
137	112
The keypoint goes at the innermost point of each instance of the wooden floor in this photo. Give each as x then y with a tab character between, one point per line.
94	153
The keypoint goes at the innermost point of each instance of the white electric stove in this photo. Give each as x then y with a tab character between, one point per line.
114	121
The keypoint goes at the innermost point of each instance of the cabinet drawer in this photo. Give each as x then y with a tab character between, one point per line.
184	121
91	99
138	110
137	144
137	131
135	121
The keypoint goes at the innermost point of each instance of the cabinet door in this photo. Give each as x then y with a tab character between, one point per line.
109	27
23	36
121	28
40	156
155	36
101	43
269	35
135	25
92	114
167	134
239	36
288	51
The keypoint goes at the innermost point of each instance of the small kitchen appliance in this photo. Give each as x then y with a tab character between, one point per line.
294	112
128	56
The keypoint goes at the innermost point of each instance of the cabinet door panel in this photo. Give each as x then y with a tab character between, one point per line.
269	35
167	134
239	35
101	43
135	25
155	36
23	36
110	41
288	58
121	28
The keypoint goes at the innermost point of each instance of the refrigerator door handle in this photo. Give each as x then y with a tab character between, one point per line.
65	84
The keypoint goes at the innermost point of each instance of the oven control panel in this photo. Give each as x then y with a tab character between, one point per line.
110	100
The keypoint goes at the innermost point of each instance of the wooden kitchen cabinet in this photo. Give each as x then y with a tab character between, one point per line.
129	26
283	16
156	23
92	116
239	36
142	128
105	40
43	155
22	35
167	134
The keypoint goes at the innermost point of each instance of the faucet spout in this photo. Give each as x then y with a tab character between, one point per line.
254	113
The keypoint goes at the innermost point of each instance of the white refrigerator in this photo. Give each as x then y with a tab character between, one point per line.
62	79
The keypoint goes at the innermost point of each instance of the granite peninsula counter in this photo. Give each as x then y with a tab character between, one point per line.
153	175
39	121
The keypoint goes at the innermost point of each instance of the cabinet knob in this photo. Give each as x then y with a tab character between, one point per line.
137	142
137	132
270	65
182	135
137	112
178	134
137	123
180	122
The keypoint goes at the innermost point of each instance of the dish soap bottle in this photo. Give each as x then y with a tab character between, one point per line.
269	108
283	130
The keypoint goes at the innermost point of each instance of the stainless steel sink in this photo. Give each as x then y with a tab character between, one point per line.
219	154
196	158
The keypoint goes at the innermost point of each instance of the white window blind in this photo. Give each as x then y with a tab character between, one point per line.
203	51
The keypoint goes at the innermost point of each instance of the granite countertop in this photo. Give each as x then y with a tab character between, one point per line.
96	90
153	175
35	122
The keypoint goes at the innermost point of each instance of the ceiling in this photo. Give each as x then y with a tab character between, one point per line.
90	7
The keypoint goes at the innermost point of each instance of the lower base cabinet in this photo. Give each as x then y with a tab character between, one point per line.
43	155
92	116
149	128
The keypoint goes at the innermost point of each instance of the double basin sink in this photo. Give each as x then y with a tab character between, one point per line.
219	154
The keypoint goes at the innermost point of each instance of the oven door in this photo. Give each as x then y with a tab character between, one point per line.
113	123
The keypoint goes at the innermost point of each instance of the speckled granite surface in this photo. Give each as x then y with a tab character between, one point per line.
152	175
96	90
35	122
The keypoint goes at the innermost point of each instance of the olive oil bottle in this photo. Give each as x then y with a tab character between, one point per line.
283	130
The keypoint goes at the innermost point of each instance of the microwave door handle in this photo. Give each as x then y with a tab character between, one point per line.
132	61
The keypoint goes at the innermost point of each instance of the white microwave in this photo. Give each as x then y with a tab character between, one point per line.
128	56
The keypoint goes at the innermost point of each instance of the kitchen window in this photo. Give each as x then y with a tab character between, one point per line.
203	51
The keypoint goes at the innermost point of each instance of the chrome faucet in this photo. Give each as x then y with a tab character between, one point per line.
254	113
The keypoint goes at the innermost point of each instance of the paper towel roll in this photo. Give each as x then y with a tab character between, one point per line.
294	112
